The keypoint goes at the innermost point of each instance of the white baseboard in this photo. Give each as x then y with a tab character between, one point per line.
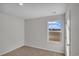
11	50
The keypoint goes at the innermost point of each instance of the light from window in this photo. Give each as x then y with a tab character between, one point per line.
54	24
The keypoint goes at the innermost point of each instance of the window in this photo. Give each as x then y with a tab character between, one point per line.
54	30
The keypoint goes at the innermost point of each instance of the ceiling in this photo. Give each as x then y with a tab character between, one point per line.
33	10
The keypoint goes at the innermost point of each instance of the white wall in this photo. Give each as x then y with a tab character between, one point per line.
36	34
11	33
75	29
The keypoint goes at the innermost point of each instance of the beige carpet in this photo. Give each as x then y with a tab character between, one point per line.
30	51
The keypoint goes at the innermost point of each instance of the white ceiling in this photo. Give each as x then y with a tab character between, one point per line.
33	10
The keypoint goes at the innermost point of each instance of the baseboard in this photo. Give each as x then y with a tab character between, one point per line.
11	50
61	52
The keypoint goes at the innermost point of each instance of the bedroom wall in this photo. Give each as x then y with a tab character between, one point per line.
36	34
11	33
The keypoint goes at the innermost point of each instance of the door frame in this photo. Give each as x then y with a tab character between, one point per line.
68	33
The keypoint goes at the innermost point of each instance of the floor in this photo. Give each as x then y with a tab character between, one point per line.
30	51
